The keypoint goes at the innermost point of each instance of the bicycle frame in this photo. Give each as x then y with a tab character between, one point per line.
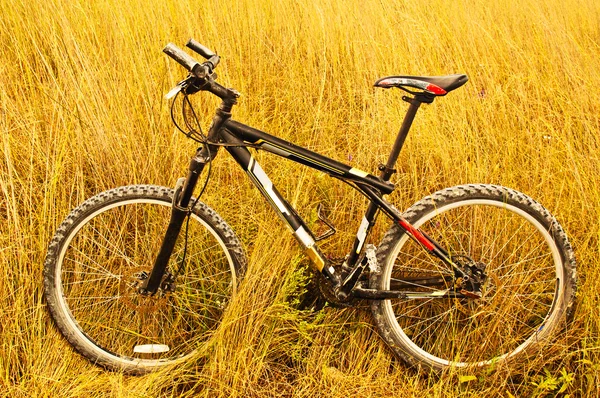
237	137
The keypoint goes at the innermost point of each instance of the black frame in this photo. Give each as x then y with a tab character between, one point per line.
237	137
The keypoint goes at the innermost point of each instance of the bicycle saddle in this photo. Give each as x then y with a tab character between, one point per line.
437	85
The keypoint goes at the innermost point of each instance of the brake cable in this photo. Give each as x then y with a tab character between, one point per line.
204	141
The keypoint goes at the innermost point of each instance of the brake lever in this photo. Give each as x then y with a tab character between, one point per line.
193	83
187	86
173	92
178	87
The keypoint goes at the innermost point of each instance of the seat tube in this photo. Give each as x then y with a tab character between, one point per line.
386	173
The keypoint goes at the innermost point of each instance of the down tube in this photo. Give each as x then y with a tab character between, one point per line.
283	209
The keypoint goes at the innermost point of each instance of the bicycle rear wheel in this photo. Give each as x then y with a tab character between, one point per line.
527	295
106	248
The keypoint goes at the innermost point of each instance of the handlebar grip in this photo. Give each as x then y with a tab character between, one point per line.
200	49
183	58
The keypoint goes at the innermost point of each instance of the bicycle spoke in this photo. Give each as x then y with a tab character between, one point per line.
421	260
99	268
523	261
108	299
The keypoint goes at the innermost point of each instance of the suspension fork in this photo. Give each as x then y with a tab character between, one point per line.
181	201
179	210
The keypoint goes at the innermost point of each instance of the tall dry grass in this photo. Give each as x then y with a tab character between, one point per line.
82	110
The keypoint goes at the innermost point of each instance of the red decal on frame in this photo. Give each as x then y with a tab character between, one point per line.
417	234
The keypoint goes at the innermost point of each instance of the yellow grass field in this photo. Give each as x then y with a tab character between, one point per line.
82	110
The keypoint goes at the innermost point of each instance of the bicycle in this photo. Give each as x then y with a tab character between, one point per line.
138	277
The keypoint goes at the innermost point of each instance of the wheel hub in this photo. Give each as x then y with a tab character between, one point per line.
129	289
471	283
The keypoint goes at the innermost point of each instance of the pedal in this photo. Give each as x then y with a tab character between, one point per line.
371	253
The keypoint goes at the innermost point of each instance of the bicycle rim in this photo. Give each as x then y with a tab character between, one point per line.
99	270
525	280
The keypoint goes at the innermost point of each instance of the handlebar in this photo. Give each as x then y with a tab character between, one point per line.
200	49
185	60
201	74
181	57
204	51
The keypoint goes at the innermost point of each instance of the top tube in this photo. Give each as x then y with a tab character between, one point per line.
306	157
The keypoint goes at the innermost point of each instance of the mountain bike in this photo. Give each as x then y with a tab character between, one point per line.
139	277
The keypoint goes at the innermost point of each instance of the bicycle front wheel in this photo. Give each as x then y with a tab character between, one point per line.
527	294
102	253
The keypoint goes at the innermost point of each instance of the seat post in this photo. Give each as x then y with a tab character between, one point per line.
388	169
